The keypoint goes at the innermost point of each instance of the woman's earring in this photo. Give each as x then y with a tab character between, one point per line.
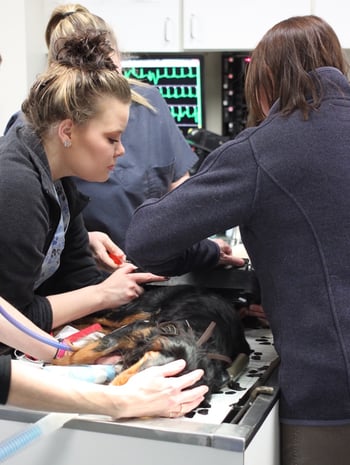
67	143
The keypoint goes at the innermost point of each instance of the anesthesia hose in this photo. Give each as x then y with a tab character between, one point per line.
46	425
29	332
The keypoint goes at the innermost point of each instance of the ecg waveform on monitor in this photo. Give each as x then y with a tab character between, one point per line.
155	75
178	92
179	83
185	114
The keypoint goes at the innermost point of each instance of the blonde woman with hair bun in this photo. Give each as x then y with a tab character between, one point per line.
157	156
35	160
73	120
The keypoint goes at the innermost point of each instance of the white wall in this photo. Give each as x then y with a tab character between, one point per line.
22	50
212	92
22	46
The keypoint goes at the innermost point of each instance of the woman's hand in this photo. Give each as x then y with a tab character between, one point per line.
119	288
124	285
157	391
257	311
226	257
102	246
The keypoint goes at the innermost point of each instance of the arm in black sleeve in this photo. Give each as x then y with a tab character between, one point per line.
168	235
5	378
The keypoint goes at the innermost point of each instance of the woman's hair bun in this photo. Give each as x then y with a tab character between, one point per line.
88	51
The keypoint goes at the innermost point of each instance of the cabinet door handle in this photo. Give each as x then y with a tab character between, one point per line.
168	30
194	27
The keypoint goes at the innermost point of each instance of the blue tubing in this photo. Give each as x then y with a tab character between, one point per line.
29	332
44	426
18	441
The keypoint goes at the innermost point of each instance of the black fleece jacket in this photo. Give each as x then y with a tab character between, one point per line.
29	218
286	184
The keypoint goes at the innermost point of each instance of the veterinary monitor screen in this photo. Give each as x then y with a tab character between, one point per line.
179	79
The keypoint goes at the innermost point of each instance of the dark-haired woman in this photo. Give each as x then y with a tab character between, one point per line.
286	182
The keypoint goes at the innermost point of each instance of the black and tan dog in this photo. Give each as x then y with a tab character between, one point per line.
168	323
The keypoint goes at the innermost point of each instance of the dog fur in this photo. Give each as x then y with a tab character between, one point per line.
167	323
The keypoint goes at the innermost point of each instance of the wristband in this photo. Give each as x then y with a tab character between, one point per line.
60	352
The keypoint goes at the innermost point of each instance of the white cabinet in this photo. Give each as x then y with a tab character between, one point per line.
205	25
140	25
337	14
192	25
233	24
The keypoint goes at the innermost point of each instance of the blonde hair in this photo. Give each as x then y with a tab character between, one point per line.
80	75
73	18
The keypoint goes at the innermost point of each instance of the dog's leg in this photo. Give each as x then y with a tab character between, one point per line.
125	375
126	321
84	355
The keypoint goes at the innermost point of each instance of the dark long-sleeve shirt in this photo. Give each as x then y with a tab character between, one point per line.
29	216
5	377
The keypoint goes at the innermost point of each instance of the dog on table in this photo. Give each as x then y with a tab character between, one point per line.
164	324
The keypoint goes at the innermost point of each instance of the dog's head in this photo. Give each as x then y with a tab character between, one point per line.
199	326
166	324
